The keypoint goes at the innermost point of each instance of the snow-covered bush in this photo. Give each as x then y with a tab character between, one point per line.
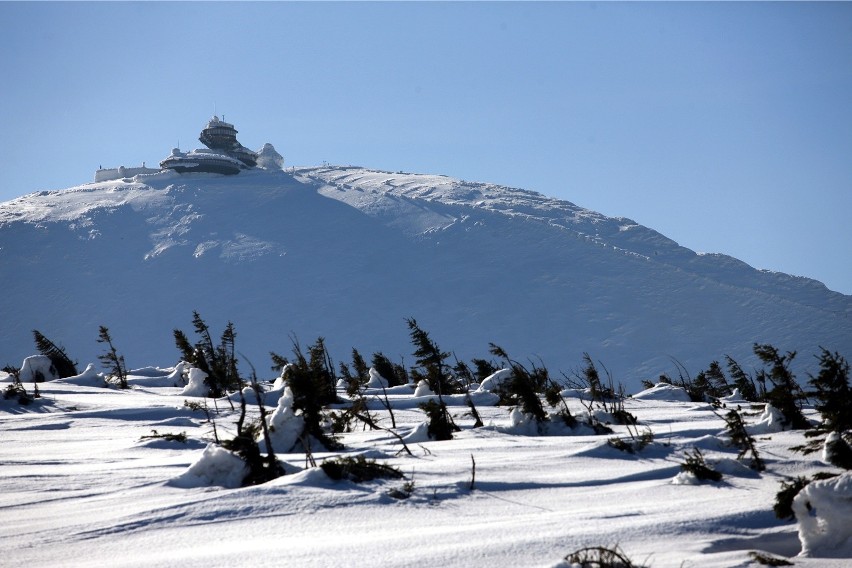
823	509
359	469
197	385
37	369
285	426
216	466
695	470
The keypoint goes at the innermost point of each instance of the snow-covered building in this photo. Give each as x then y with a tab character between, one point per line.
106	174
225	155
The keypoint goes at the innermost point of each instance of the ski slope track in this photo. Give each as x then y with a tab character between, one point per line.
347	253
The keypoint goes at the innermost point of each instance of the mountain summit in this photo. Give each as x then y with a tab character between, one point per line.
347	253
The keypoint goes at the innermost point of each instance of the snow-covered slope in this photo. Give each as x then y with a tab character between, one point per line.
347	253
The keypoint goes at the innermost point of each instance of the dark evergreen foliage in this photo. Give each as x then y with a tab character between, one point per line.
741	439
357	377
786	395
767	560
749	390
61	362
16	389
218	361
313	381
394	373
600	557
783	507
523	386
359	469
441	425
432	362
709	385
435	371
696	465
484	369
111	360
832	392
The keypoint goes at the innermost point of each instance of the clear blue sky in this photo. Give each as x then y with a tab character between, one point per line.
725	126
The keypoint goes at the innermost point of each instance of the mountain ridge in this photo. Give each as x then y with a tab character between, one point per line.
348	252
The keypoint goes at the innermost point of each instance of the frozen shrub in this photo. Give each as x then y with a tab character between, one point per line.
359	469
600	557
696	466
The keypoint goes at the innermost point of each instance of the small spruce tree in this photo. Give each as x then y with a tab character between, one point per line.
435	371
786	395
111	360
741	439
219	362
313	381
833	396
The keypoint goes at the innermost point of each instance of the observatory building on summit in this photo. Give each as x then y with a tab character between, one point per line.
223	155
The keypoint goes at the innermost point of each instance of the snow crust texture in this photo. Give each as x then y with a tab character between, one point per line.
90	479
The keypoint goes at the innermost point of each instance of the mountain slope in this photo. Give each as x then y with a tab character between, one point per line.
348	253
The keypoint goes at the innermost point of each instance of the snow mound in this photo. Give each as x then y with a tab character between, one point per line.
664	391
423	389
770	421
494	380
216	467
88	378
269	159
376	380
196	386
734	398
823	509
37	369
418	434
285	426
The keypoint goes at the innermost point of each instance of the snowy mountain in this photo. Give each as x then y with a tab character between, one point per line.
347	253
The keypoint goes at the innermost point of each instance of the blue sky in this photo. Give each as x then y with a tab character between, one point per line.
725	126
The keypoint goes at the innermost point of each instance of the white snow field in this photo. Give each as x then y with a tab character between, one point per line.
347	253
80	486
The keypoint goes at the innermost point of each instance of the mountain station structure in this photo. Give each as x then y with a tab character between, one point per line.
223	155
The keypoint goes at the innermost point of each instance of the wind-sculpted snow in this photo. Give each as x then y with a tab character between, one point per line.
347	253
91	477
